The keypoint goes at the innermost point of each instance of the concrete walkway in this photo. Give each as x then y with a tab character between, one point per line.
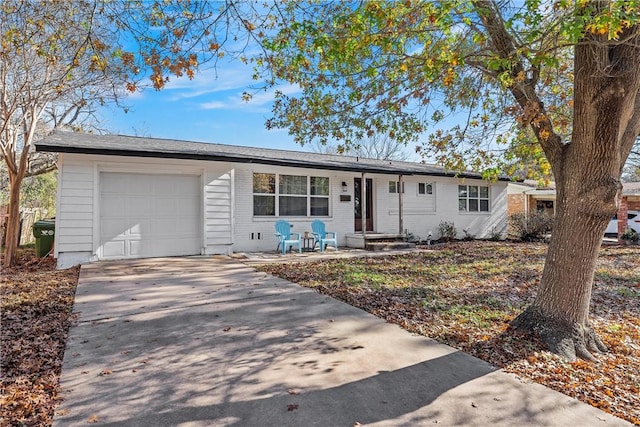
209	341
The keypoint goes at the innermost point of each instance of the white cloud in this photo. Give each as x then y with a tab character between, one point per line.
260	102
213	105
228	76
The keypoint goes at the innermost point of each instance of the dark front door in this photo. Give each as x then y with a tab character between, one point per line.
357	202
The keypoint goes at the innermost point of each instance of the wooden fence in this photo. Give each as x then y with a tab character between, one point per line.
28	217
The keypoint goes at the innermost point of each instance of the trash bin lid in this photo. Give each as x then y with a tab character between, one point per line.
45	223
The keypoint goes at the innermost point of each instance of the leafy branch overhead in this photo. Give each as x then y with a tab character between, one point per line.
404	69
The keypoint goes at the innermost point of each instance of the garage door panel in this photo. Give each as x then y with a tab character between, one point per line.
149	215
112	206
170	227
135	248
113	249
174	184
140	207
114	227
114	184
167	207
142	186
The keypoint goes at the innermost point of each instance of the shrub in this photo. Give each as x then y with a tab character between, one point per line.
630	236
468	235
496	235
530	228
447	230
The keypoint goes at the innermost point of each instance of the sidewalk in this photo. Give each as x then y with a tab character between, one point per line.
209	341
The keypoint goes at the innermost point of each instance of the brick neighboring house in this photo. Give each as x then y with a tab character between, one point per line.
630	202
527	196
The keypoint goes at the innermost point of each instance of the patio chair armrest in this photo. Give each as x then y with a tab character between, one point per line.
297	234
333	233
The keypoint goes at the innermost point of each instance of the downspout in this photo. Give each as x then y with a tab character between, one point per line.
400	215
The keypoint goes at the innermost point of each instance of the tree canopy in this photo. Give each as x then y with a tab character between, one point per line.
404	69
556	83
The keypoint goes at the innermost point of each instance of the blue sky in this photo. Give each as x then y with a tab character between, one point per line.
208	108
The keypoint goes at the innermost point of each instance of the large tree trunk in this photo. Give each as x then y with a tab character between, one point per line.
560	312
606	121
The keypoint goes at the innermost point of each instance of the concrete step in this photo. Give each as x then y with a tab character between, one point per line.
389	246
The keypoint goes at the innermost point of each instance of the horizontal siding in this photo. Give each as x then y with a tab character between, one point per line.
76	240
76	216
74	247
69	223
219	228
75	208
222	221
214	202
218	208
74	232
79	184
72	199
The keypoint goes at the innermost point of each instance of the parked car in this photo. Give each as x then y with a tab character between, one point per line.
633	222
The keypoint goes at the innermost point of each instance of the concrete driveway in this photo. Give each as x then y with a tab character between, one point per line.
209	341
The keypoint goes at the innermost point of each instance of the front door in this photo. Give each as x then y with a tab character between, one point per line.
357	202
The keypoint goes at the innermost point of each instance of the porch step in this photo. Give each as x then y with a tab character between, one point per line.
378	241
389	246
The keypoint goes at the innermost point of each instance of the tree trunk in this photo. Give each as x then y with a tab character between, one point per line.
588	191
587	170
13	221
560	312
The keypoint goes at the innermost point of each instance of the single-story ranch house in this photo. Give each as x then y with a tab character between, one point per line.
131	197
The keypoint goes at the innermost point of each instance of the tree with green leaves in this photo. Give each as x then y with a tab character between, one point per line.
51	75
59	60
404	68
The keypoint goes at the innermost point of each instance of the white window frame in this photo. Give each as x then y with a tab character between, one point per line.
395	184
466	197
277	194
427	185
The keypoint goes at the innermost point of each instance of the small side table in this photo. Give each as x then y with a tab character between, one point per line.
308	243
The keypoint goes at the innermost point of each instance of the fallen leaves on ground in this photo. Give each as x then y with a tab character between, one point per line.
35	315
461	294
465	295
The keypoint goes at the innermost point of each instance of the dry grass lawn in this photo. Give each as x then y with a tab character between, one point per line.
462	294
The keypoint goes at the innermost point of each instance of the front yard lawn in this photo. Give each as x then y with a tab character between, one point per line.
465	295
461	294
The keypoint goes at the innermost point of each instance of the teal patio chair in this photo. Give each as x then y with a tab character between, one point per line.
323	237
286	236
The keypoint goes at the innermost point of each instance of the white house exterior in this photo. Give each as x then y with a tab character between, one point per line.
129	197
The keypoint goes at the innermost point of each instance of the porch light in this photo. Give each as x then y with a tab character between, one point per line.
344	187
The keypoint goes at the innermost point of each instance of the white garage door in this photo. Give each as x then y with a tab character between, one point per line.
149	215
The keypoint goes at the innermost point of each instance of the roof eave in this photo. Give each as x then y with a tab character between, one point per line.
48	147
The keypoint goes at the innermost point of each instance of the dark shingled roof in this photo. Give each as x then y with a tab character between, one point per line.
122	145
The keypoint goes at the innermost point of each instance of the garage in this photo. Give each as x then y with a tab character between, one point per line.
149	215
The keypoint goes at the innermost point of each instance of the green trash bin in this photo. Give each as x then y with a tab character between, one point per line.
44	231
